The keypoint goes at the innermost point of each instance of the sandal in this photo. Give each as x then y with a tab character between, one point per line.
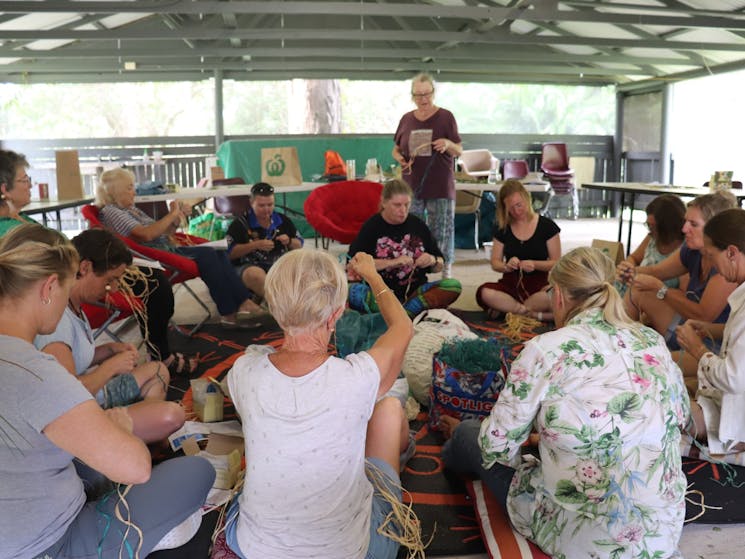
183	364
494	314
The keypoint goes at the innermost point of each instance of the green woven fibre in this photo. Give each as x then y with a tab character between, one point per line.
470	356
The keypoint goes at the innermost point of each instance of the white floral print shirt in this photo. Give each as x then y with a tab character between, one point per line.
608	406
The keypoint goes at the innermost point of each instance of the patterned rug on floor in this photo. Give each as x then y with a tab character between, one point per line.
441	500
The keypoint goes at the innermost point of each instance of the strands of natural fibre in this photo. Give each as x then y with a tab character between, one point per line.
132	553
406	167
517	324
132	276
408	282
700	503
730	477
223	522
470	356
521	289
401	525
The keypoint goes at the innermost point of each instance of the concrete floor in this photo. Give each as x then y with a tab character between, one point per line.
698	541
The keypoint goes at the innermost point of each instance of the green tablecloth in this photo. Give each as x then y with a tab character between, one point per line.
242	158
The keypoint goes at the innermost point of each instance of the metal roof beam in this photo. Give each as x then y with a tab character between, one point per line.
393	53
276	75
298	65
436	37
539	11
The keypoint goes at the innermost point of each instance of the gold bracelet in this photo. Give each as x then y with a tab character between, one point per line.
379	293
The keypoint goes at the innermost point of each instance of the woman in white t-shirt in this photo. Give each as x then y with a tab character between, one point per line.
322	453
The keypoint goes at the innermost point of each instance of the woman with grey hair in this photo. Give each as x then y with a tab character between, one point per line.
425	145
323	472
116	198
608	402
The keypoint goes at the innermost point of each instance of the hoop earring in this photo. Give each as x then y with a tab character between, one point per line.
46	301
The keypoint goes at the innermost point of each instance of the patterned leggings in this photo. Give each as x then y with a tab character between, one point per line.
432	295
439	215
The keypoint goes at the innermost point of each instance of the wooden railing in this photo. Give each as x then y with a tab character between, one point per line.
183	159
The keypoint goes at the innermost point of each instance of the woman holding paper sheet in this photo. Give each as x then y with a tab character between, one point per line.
425	145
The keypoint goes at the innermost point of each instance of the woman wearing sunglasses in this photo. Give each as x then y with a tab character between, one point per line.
259	237
426	143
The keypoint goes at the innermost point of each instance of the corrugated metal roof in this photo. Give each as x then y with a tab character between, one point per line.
544	41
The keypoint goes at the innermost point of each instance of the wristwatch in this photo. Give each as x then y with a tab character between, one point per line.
661	292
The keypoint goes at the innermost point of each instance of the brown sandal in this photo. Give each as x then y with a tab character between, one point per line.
183	364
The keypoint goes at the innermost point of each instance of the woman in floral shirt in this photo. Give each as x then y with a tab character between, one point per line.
607	401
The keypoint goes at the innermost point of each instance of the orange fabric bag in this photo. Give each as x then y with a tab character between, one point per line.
334	164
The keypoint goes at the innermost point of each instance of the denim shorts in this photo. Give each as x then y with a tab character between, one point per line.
121	390
380	546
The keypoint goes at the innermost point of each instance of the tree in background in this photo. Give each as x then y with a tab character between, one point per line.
299	106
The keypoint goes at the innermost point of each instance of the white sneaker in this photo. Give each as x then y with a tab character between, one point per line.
181	534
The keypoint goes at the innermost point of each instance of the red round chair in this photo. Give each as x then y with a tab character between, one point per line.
337	210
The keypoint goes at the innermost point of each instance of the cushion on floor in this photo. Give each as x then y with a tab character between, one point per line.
500	539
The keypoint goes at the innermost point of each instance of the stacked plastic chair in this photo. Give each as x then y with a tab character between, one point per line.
555	167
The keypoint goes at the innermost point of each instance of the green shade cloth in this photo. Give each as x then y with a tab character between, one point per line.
242	158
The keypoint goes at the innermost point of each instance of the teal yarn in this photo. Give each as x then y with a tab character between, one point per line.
471	356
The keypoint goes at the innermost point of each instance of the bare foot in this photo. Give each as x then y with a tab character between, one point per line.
447	425
249	306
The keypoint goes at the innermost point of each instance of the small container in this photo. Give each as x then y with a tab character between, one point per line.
43	191
351	169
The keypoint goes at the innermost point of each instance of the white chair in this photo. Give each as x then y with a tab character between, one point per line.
478	163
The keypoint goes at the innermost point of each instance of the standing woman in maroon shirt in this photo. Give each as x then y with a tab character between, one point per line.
426	143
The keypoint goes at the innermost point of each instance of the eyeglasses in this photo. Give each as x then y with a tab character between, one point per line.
262	189
422	95
550	291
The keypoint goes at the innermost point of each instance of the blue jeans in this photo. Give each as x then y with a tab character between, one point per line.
462	454
380	546
225	286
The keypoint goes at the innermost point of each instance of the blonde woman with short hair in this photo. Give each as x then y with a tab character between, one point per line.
324	451
705	294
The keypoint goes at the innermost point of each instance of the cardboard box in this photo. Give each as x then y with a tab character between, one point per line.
224	453
220	443
69	179
612	249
